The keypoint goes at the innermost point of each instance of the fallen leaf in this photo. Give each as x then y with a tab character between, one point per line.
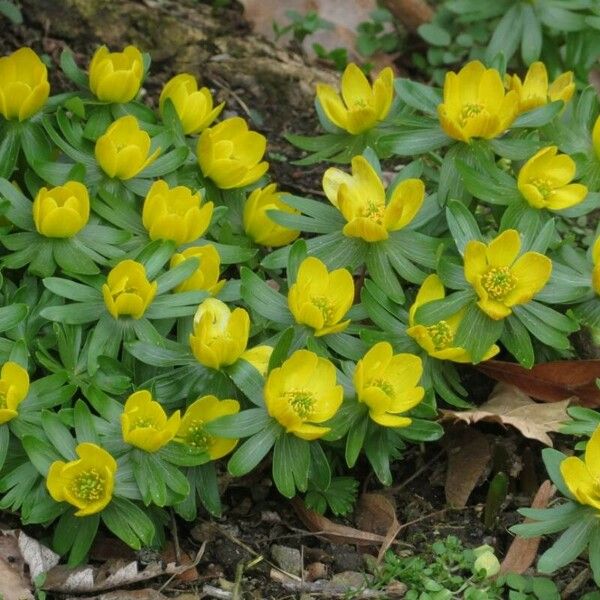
411	13
145	594
552	381
508	405
377	513
13	586
523	551
169	556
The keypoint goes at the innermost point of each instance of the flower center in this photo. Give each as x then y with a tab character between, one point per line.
88	486
543	186
440	335
498	281
141	422
374	211
468	112
359	103
385	386
325	306
301	402
197	437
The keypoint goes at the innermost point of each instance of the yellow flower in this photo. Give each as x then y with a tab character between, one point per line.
230	154
475	104
320	298
500	279
193	106
144	423
360	198
204	410
14	387
583	476
175	213
24	86
437	339
361	106
86	483
257	223
62	211
303	392
220	335
387	384
596	262
596	137
122	151
206	276
127	291
116	76
259	358
534	90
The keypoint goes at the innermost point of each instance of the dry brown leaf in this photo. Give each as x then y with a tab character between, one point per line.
508	405
375	513
412	13
13	586
145	594
523	551
169	555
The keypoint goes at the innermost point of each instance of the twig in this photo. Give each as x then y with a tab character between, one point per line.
198	558
175	538
576	584
224	86
215	592
434	514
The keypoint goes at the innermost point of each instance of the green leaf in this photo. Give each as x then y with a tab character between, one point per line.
531	41
291	462
82	532
170	354
462	224
74	314
149	476
418	95
381	272
517	341
12	315
128	522
253	450
538	117
594	554
320	471
545	324
4	440
11	11
248	380
183	455
207	486
71	289
281	349
356	439
438	310
58	435
84	423
507	34
167	163
10	144
378	452
262	298
434	34
552	459
71	70
41	454
514	149
477	332
421	430
242	424
413	142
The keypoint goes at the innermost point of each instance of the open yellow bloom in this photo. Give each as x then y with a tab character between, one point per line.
534	91
438	339
122	151
204	410
14	387
230	154
87	483
206	276
545	180
583	476
387	384
193	106
220	335
144	423
320	298
303	392
257	223
259	358
116	76
175	213
62	211
361	105
475	104
596	269
360	198
596	137
127	291
24	86
500	279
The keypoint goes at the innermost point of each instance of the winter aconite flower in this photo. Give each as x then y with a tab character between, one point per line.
116	76
596	268
127	291
475	104
144	423
193	106
24	86
500	279
545	181
388	384
438	339
257	223
220	335
230	154
62	211
302	393
320	298
123	150
360	198
206	276
361	106
596	137
583	476
192	431
87	483
14	387
534	90
175	214
259	358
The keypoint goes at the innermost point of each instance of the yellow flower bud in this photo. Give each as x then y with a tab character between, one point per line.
175	213
116	76
86	483
486	561
144	423
220	335
320	298
206	276
259	358
596	263
122	151
257	223
14	387
62	211
127	291
24	86
230	154
194	106
596	137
